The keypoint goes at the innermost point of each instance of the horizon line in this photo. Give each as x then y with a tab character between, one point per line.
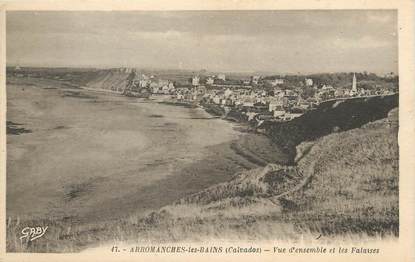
198	70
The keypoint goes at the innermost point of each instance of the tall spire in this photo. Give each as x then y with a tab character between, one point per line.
354	87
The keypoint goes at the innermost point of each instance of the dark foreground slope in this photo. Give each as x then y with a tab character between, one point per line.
329	117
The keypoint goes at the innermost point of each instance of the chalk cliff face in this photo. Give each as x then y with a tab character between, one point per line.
340	184
109	79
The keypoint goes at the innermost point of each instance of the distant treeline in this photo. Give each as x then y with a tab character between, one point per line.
341	80
77	76
82	75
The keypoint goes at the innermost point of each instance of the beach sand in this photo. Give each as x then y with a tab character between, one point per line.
90	156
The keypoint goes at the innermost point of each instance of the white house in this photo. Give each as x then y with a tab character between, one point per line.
216	99
210	80
276	82
221	77
255	79
308	82
195	80
279	112
228	92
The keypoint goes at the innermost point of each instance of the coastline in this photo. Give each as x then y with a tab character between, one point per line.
212	161
216	112
240	189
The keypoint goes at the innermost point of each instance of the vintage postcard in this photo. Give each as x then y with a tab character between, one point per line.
207	130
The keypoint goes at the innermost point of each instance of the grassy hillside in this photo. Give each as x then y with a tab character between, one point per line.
354	180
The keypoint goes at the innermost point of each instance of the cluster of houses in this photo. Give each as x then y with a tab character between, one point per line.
249	97
327	92
261	104
279	104
256	97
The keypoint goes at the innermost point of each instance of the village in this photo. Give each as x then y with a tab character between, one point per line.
259	98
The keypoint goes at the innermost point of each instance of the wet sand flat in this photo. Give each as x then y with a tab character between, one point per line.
90	155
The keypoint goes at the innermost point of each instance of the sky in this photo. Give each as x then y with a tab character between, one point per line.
229	41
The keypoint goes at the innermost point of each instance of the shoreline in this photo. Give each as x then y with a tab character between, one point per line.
211	109
224	158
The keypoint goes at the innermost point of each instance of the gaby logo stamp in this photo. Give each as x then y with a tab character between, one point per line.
32	233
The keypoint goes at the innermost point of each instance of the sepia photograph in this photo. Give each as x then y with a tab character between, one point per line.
153	128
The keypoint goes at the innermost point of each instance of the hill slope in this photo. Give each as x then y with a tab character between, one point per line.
343	184
354	180
328	117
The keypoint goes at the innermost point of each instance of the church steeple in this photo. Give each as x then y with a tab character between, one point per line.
354	87
353	92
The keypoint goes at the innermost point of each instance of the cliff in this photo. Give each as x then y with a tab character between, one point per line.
109	79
